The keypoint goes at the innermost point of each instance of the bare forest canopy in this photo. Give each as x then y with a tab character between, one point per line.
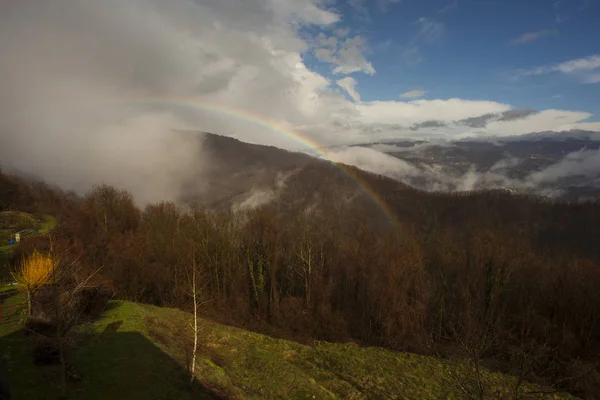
513	274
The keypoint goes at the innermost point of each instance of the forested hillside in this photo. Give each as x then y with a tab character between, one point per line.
507	280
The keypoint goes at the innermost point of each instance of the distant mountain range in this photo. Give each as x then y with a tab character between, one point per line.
231	174
564	164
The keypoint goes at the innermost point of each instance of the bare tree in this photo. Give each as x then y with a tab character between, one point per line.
62	303
197	290
194	293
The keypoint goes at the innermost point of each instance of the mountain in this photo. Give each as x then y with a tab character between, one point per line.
242	175
564	165
336	253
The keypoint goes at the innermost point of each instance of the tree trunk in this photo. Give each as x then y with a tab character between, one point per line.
63	367
28	296
195	296
59	339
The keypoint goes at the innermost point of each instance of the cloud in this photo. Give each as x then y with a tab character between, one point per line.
416	111
327	41
448	7
415	147
254	199
384	4
529	37
557	96
481	121
586	69
348	56
362	12
360	9
583	162
349	84
575	125
591	78
413	93
341	32
428	124
579	65
74	72
373	161
429	32
515	114
68	88
427	177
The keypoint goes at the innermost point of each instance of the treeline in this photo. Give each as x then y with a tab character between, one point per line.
487	271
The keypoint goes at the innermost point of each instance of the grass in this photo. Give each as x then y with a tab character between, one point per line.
115	357
46	224
9	287
137	351
14	221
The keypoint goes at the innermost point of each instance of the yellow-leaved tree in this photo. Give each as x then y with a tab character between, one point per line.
33	273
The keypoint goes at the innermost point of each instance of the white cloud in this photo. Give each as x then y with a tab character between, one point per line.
583	162
412	112
348	57
586	69
529	37
373	161
429	31
349	84
327	41
72	72
546	120
413	93
341	32
584	126
592	78
581	64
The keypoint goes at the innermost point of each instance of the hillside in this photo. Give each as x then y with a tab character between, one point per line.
137	351
16	221
242	175
302	251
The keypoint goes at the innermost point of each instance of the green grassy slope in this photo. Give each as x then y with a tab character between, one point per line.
115	357
138	351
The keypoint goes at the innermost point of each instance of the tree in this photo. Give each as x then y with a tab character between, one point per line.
194	293
33	273
69	280
62	302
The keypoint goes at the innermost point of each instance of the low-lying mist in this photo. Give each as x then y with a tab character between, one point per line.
410	165
68	75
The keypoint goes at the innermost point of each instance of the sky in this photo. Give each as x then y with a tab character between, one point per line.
76	75
472	49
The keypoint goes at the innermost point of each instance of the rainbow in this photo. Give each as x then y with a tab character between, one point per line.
279	128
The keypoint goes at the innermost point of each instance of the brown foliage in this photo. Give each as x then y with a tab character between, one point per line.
518	272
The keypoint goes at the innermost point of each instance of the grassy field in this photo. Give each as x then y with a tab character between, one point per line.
14	221
138	351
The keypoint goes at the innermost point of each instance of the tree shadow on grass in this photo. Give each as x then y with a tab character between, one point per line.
112	365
